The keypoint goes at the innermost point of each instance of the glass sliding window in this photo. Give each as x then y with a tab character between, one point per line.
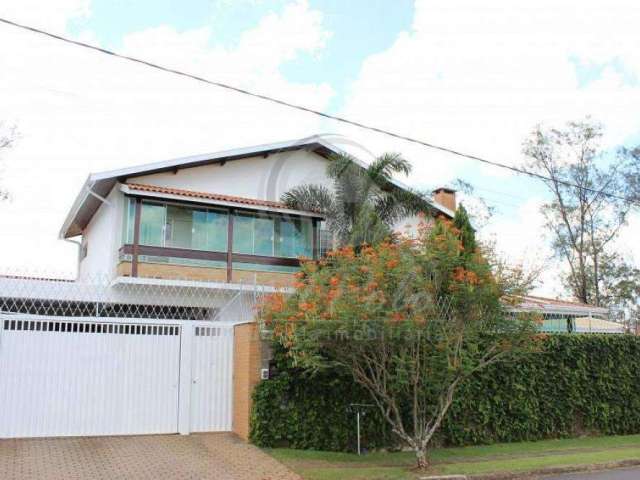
152	221
294	238
272	236
263	236
253	234
243	233
129	217
210	230
179	227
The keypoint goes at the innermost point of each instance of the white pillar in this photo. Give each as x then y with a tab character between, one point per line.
184	397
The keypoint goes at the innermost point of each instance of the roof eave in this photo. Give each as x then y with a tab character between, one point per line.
75	208
222	203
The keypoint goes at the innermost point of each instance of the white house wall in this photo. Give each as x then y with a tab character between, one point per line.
254	177
103	238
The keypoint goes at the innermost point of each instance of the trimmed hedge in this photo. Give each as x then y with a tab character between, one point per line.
579	384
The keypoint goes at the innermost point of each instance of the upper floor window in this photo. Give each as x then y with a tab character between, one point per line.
272	236
177	226
174	226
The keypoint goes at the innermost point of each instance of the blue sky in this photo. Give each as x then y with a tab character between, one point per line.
473	76
358	29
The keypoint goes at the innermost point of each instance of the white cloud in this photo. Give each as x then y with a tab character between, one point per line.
50	15
80	112
477	77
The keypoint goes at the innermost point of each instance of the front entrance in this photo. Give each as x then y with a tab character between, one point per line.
81	377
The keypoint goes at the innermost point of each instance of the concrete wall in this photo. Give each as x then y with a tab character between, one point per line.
246	375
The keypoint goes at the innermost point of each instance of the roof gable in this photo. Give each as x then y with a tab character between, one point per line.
100	184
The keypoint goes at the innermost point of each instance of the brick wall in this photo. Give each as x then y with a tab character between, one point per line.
247	360
174	272
208	274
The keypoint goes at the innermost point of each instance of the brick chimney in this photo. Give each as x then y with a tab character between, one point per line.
445	197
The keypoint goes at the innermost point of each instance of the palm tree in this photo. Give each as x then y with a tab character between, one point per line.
364	203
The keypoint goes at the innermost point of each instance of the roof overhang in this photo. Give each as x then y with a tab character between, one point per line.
215	202
552	306
98	185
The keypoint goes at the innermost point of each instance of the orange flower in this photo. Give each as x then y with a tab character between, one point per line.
306	306
472	278
334	281
459	274
393	263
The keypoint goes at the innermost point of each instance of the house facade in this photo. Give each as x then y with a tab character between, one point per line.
213	218
157	333
562	316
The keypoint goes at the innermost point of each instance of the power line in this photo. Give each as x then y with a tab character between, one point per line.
313	111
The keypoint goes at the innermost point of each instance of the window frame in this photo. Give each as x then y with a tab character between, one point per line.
134	251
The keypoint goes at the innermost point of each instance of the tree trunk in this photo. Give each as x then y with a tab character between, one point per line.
596	279
421	458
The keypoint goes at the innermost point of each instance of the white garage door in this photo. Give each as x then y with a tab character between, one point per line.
65	377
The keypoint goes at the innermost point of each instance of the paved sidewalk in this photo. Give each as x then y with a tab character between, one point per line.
219	456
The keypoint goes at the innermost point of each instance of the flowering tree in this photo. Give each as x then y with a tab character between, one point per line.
409	319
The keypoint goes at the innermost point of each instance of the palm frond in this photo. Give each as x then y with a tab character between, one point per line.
382	169
309	197
411	201
363	204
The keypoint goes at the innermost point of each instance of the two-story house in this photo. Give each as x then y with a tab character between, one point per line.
157	333
212	217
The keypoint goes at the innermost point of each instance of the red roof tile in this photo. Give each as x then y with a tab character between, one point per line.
205	195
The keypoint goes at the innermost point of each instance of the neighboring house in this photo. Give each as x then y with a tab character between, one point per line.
565	316
157	334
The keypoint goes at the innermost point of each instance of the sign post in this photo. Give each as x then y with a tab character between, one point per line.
360	411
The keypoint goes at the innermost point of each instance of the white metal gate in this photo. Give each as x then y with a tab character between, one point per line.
212	387
69	377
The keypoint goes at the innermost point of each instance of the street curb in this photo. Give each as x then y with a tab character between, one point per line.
445	477
542	472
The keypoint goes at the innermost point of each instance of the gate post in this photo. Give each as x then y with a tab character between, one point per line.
184	385
246	374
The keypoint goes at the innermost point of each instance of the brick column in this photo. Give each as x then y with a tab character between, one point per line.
246	374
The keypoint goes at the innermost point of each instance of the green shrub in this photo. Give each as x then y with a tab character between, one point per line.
579	384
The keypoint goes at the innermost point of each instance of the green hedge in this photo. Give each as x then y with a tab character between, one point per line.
579	384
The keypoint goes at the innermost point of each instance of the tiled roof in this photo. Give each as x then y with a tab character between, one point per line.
533	302
554	301
205	195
